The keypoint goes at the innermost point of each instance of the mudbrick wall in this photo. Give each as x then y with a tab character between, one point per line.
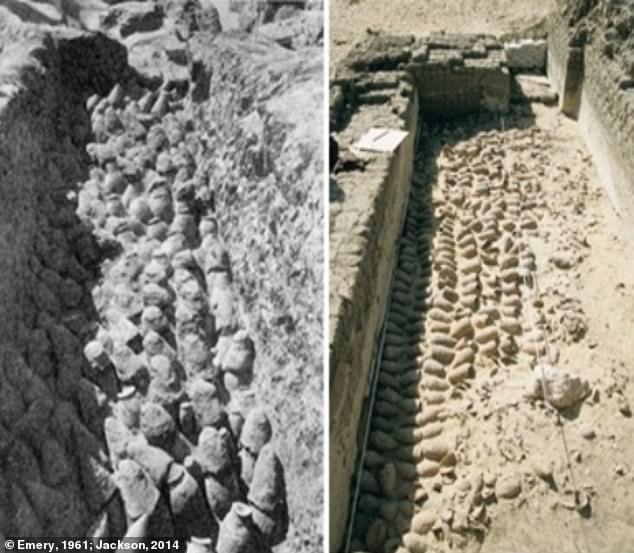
364	225
386	81
53	479
458	74
588	49
453	74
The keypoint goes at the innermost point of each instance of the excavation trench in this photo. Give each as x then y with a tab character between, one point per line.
480	423
127	398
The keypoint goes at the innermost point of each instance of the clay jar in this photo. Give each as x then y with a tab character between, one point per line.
236	420
175	134
124	234
184	195
164	164
128	407
113	183
160	203
139	209
237	532
174	243
222	302
102	370
222	490
208	226
237	363
131	193
193	296
111	120
114	205
153	318
137	490
96	354
155	461
187	322
215	257
161	368
157	229
141	497
181	277
185	223
187	420
200	545
135	226
156	137
190	514
146	246
157	425
256	433
196	358
165	387
206	401
183	165
161	258
267	496
215	455
185	260
156	295
154	344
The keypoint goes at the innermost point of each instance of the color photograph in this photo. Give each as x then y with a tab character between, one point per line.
481	207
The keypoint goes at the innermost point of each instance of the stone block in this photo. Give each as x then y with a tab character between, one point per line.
526	54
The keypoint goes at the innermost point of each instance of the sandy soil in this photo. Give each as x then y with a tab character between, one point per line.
349	19
593	296
427	462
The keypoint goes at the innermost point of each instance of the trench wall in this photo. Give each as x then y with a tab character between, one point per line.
49	484
41	135
588	83
267	173
363	240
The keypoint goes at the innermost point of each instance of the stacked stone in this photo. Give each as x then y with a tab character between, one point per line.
456	308
170	353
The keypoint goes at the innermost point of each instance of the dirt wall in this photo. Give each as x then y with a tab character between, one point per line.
365	218
54	476
597	93
266	169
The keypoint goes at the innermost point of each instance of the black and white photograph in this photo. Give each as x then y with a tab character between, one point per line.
162	275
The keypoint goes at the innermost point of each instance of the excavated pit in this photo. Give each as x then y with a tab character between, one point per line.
147	352
481	299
